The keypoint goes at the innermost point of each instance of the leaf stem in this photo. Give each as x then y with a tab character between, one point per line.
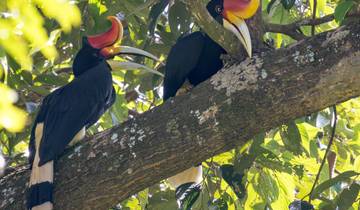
314	17
326	152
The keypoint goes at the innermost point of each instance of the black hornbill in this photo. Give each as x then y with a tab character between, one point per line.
68	111
196	57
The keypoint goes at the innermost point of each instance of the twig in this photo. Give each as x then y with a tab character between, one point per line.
314	17
289	29
66	70
326	153
293	29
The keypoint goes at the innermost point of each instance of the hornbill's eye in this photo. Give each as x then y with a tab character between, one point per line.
218	9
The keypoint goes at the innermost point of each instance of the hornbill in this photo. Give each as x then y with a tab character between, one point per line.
66	112
195	58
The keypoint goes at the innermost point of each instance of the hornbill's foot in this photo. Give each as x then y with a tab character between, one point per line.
186	195
233	179
185	88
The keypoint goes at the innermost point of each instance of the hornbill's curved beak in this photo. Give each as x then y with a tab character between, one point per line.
235	12
109	41
109	44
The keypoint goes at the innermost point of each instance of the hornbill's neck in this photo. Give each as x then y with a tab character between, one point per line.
86	58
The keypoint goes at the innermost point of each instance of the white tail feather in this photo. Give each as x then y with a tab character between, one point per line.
44	173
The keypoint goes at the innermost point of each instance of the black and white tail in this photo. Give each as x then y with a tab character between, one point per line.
41	180
188	186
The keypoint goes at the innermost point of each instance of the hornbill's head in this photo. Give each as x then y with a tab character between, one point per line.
106	45
232	15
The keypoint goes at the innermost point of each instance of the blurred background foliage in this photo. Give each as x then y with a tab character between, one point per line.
38	41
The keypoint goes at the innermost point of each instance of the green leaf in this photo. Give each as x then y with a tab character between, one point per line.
27	76
342	9
314	149
347	197
155	12
357	164
39	90
266	187
51	79
131	204
143	198
179	18
244	162
291	138
269	6
119	109
161	199
329	183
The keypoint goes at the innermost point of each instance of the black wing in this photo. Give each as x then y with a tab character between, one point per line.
67	110
182	59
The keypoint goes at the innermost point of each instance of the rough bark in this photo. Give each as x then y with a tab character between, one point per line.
240	101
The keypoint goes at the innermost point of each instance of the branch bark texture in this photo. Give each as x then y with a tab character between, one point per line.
240	101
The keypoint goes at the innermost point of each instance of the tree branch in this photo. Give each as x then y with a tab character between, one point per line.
294	29
240	101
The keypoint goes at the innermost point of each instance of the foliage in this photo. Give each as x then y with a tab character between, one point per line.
279	166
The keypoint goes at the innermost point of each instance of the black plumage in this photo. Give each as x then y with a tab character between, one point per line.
78	104
65	114
194	57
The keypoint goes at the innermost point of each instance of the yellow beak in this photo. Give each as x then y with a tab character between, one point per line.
240	29
118	50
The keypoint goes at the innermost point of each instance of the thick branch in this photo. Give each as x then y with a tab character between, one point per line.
240	101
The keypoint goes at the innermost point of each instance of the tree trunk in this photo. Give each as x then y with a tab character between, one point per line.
240	101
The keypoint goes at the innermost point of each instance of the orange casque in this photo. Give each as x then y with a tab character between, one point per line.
106	41
244	9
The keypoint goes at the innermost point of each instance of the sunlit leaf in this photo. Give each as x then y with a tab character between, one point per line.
11	117
291	137
347	197
55	9
342	9
24	26
327	184
268	8
266	187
